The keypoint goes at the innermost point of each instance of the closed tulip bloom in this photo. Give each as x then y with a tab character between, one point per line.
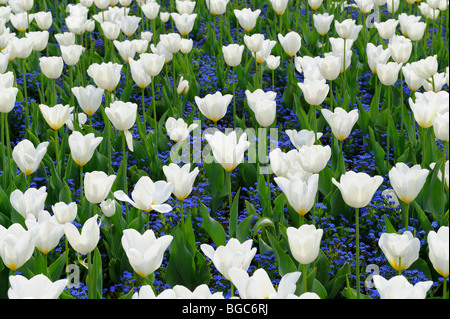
55	116
21	21
101	4
150	9
315	4
89	98
183	86
273	62
265	112
217	7
365	5
178	130
438	250
300	194
440	126
415	30
19	48
413	81
228	152
148	195
27	157
401	250
123	116
4	60
425	108
140	77
329	67
76	24
322	22
152	63
407	182
140	45
181	178
357	189
85	241
48	231
184	22
71	53
51	66
171	41
7	99
388	73
260	286
233	255
129	24
38	287
386	29
392	5
64	213
186	45
259	95
214	106
126	49
266	49
291	43
341	121
82	147
426	68
398	287
108	207
185	6
160	49
200	292
145	252
302	137
65	38
111	30
254	42
345	28
314	91
247	18
232	54
288	164
304	243
435	83
105	75
400	48
314	158
97	185
279	6
16	245
43	19
39	38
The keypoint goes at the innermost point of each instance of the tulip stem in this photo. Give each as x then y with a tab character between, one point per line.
399	271
443	178
388	124
357	253
234	98
81	183
406	216
444	288
25	96
182	211
305	277
143	109
8	143
89	276
230	199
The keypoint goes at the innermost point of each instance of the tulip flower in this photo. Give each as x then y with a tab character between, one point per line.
129	24
43	19
105	75
123	116
217	7
39	38
400	48
302	137
185	6
111	30
265	112
426	68
228	152
184	22
38	287
401	250
97	185
407	182
365	6
140	77
330	67
232	54
200	292
148	195
89	98
145	252
51	66
392	5
413	81
273	62
150	9
254	42
415	30
213	106
315	4
357	190
247	18
178	130
386	29
64	213
21	21
186	45
265	51
71	53
345	28
19	48
388	73
314	158
304	243
108	207
76	24
341	121
291	43
322	22
55	116
16	245
314	91
146	292
8	98
183	86
82	147
65	38
446	173
181	178
438	250
398	287
259	285
48	231
86	241
31	202
152	63
279	6
425	108
440	126
287	164
300	194
171	41
233	255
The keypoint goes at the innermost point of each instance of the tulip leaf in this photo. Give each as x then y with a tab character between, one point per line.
424	222
213	227
285	263
389	227
335	284
55	269
243	229
233	222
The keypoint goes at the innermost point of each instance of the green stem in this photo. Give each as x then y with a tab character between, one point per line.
143	108
388	140
444	289
305	275
90	292
25	97
358	289
230	199
406	216
182	211
399	272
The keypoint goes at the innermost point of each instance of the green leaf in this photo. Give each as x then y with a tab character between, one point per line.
213	227
55	269
243	229
285	263
233	223
389	227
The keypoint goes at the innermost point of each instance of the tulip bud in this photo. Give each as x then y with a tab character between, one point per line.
407	182
304	243
232	54
247	18
97	185
340	121
89	98
214	106
300	194
105	75
65	213
7	99
438	250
